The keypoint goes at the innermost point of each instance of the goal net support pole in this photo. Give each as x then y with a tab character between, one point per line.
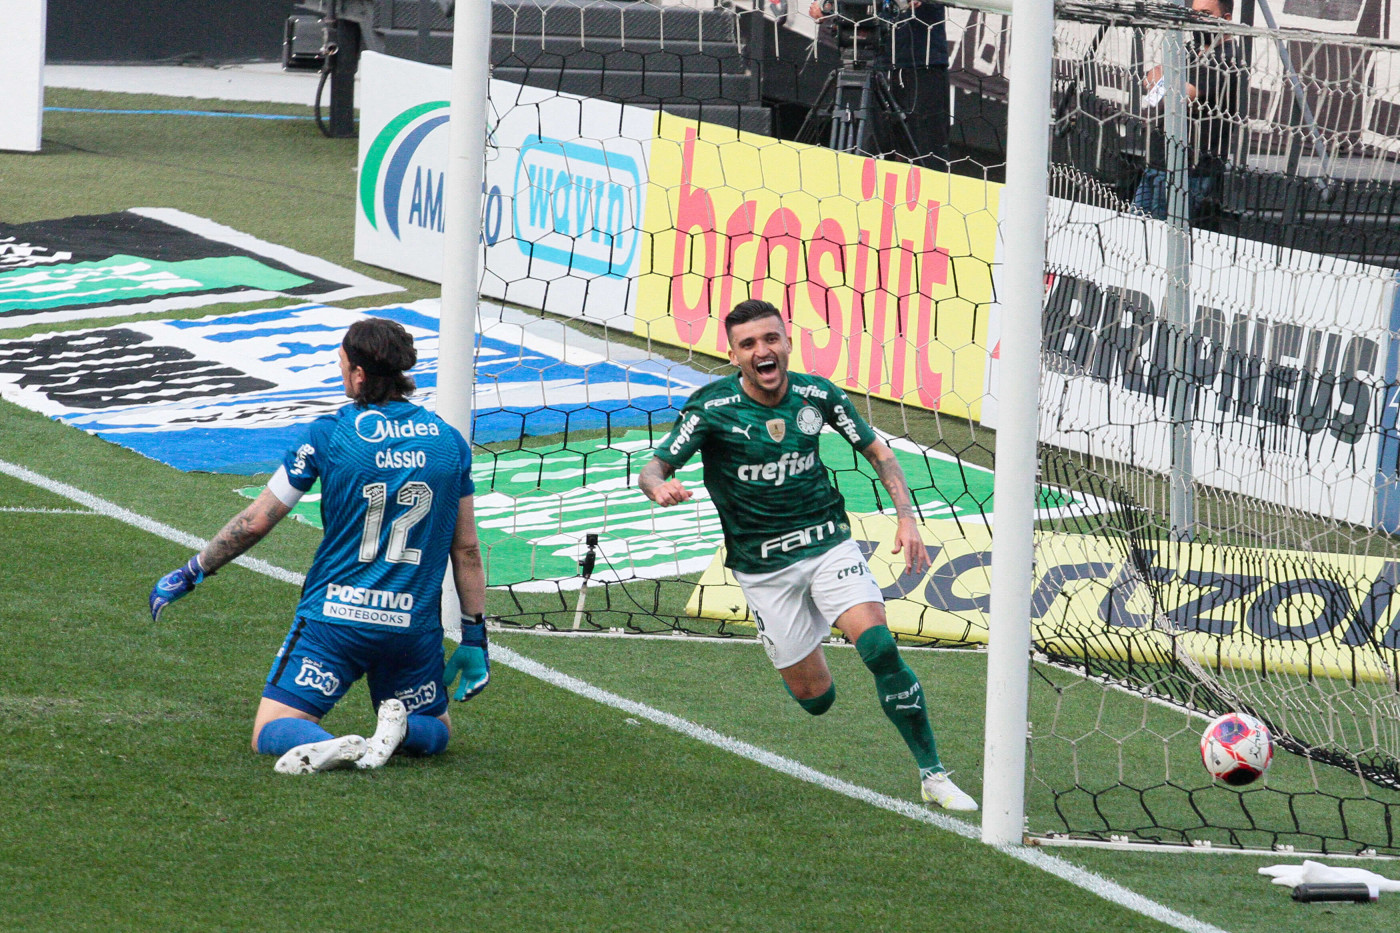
461	266
1008	654
461	253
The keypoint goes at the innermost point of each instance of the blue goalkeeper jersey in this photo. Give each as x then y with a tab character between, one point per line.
391	477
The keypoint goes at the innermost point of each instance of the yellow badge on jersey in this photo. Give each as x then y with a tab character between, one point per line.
777	429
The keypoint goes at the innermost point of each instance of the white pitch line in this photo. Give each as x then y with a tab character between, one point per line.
1079	877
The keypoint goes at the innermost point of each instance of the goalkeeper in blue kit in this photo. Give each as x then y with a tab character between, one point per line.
396	504
787	539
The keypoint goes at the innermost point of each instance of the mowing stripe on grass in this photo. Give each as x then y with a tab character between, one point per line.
1079	877
177	113
32	511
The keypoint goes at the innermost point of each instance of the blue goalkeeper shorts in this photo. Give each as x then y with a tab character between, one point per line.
319	662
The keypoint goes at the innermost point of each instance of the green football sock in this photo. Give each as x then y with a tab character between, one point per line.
901	695
815	705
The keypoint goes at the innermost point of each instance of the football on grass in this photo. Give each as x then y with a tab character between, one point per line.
1237	748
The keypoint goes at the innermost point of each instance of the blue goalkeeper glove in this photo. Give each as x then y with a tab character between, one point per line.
471	660
175	584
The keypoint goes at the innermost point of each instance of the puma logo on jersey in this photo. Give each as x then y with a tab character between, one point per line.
744	430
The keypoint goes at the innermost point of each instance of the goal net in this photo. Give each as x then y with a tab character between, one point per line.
1217	493
1223	377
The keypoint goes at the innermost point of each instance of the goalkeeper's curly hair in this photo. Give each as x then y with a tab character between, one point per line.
385	351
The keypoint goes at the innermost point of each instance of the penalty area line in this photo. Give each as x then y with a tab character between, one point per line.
1079	877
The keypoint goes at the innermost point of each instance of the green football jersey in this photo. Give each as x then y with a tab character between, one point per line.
763	467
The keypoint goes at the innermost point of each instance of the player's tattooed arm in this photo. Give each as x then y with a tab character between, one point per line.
906	537
657	482
891	477
243	531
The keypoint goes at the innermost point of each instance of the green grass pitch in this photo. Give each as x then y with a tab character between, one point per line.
133	802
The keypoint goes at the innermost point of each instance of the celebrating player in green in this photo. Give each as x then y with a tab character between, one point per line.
785	531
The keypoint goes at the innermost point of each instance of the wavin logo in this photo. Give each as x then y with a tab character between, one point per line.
576	205
391	155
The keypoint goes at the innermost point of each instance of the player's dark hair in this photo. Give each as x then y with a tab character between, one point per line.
384	350
750	310
1227	8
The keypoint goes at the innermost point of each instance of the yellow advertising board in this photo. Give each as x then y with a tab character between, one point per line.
883	270
1311	614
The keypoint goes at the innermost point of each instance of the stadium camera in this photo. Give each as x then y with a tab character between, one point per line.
864	27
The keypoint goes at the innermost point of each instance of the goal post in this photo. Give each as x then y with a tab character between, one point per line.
1013	542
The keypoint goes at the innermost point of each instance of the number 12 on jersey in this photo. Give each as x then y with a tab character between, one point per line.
419	499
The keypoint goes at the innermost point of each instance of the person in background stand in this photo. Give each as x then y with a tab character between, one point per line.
920	80
1213	99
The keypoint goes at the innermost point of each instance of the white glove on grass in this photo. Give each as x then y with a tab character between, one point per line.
1316	873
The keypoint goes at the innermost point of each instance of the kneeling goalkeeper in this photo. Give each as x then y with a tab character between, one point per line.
396	501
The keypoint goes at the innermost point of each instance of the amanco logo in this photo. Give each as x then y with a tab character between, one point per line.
577	206
373	427
402	180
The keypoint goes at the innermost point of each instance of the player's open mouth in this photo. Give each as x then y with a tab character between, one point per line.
764	367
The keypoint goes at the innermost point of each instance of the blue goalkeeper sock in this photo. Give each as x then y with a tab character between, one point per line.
427	735
282	735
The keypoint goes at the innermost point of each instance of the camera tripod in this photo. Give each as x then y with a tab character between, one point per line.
859	107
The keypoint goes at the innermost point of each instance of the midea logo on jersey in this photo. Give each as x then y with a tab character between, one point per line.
576	205
373	427
389	191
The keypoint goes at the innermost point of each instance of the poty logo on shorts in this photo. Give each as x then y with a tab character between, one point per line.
417	699
576	205
317	678
394	172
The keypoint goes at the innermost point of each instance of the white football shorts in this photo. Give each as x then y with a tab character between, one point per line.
795	607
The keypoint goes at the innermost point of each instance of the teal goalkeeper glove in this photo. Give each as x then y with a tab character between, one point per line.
471	659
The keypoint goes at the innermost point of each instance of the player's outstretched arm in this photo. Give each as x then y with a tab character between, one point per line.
472	658
906	536
243	531
658	483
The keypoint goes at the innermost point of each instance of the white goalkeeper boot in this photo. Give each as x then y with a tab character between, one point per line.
393	726
322	756
939	788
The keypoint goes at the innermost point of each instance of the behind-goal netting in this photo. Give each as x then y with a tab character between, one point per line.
1215	497
1223	380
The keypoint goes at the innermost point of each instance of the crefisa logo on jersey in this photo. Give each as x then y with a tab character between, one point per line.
402	179
575	205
